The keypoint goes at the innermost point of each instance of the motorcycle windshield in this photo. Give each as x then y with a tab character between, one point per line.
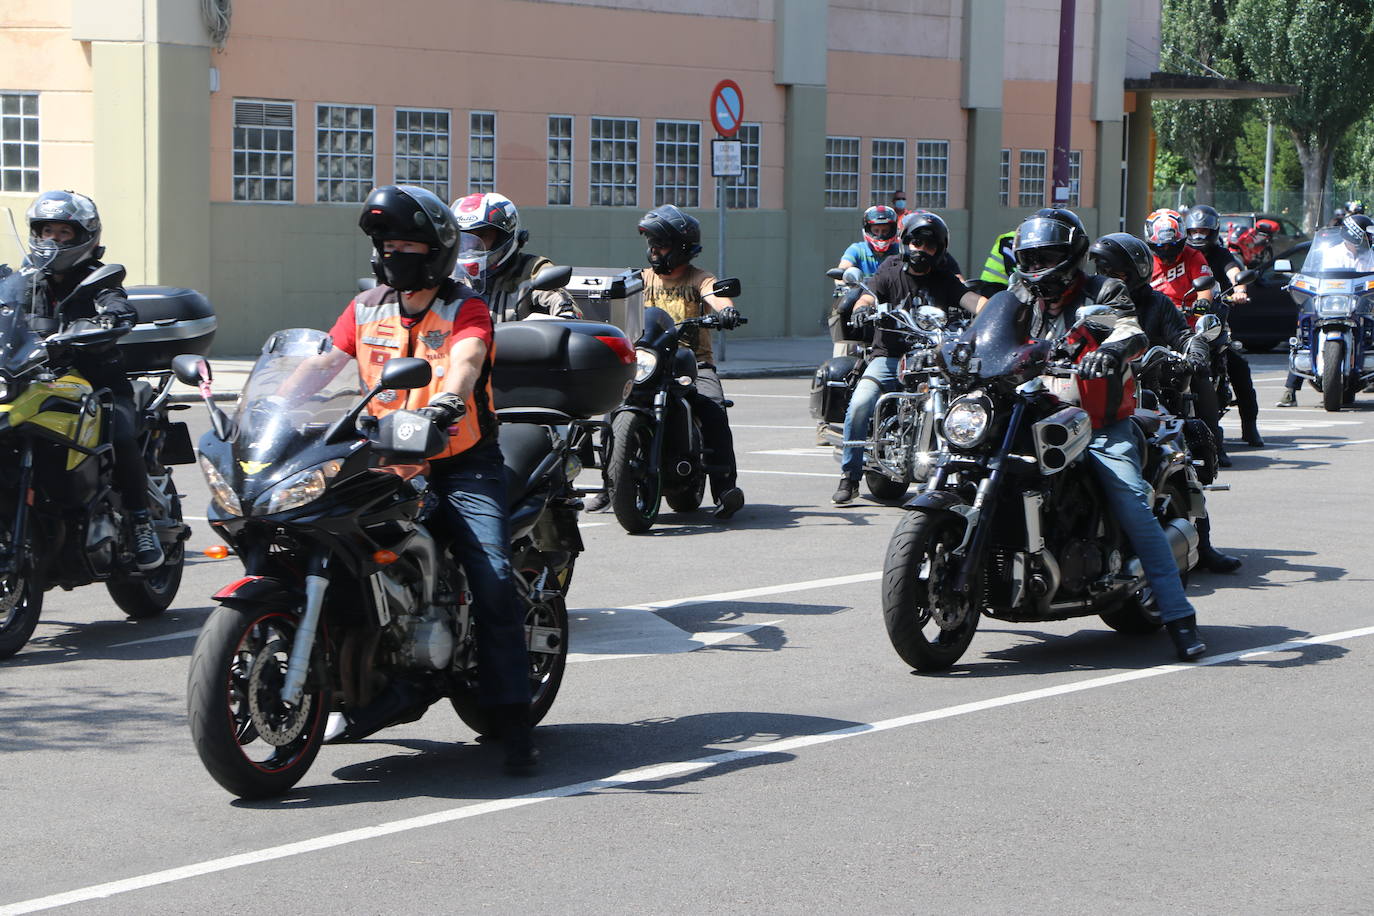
1333	258
999	344
298	389
19	345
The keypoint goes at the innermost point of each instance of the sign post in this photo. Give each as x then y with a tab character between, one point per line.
727	113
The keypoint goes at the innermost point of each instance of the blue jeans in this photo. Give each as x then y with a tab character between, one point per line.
1115	453
472	497
880	376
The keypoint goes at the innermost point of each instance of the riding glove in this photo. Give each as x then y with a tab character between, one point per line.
1100	363
444	410
729	318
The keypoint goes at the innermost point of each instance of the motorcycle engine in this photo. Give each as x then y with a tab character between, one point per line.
102	535
1081	562
426	642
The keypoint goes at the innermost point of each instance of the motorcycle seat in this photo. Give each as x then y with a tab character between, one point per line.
1149	421
546	416
524	447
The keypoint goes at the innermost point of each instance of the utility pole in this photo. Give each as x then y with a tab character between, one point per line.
1063	105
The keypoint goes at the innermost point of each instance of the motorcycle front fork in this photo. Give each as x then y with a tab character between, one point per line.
316	582
21	511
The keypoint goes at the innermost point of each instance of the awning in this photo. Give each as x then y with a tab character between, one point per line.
1182	86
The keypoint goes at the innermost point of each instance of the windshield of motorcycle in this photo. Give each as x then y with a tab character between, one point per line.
19	345
997	342
1331	256
300	386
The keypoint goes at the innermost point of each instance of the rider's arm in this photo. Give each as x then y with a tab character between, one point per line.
472	336
972	302
314	372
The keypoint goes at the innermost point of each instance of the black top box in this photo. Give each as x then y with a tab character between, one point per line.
578	368
171	320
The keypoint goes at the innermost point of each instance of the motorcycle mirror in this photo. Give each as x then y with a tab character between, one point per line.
405	372
191	369
853	276
1208	327
1100	317
929	318
727	288
551	277
1247	276
1204	283
1282	265
106	276
835	273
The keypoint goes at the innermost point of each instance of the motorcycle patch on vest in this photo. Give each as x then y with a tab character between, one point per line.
434	339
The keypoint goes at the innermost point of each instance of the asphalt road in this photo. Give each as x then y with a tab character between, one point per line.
737	735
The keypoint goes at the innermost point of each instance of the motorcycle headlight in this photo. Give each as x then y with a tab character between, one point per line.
967	422
224	494
646	361
302	488
1333	306
4	389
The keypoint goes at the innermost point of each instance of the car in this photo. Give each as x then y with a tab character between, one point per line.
1289	235
1271	315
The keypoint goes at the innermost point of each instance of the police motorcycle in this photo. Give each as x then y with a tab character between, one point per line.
1012	523
1334	344
62	522
904	438
657	451
350	602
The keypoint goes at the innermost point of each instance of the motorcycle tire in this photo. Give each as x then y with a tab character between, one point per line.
1333	386
884	488
147	596
21	604
917	567
252	744
634	495
690	498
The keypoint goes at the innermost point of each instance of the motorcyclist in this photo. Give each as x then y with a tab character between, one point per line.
1353	207
64	249
998	267
1337	216
1203	226
879	242
418	309
1050	249
674	284
500	265
1126	258
920	273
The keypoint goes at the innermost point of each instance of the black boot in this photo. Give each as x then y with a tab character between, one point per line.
1187	641
1223	459
517	739
1208	557
1249	432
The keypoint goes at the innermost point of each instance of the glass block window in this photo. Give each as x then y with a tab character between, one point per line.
742	192
677	163
1030	179
889	170
1004	180
842	172
932	173
481	152
422	149
264	150
560	160
344	139
614	175
1075	171
19	141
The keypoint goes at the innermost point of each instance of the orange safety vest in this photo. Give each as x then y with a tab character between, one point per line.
382	336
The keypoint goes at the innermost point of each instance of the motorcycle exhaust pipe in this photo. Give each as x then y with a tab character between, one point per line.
1183	540
1054	458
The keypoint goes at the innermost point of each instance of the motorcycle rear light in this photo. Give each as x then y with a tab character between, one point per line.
621	346
384	557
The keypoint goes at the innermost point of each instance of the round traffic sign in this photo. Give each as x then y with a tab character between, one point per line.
727	107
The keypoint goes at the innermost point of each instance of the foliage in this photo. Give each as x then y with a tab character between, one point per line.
1250	156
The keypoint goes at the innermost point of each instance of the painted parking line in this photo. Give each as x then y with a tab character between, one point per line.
647	774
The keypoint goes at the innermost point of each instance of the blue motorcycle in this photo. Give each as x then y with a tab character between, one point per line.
1334	346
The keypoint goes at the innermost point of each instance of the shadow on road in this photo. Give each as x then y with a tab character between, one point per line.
61	640
759	517
1263	569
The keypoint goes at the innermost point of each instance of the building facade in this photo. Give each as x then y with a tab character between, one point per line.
231	153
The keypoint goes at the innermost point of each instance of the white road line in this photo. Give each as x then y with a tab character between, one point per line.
812	427
1312	445
642	775
783	473
789	397
810	451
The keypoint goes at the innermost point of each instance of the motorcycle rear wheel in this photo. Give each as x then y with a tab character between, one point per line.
916	574
21	604
884	488
634	493
1333	387
250	742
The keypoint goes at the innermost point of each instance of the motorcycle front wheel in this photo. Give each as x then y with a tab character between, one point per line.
21	604
918	582
1333	386
249	740
635	492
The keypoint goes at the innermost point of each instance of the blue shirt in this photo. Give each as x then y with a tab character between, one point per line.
863	257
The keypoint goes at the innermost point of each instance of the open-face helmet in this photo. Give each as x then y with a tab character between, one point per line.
76	211
670	228
880	228
410	213
1049	248
1164	235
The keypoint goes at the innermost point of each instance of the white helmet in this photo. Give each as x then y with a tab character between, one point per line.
488	211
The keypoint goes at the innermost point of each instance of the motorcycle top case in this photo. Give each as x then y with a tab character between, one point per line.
830	391
171	320
577	367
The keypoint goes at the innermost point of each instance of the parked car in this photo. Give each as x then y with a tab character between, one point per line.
1271	315
1289	235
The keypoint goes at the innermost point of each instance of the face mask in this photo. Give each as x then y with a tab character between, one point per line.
920	261
406	271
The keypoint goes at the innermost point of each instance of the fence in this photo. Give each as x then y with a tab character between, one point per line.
1288	204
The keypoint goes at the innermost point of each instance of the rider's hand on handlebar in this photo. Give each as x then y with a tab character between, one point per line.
444	410
730	318
1099	363
862	315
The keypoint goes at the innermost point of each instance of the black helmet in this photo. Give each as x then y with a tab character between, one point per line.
74	210
1125	257
668	227
1354	206
405	212
1202	225
921	227
1049	248
1355	230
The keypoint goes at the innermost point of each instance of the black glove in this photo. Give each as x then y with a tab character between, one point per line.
1100	363
861	315
444	410
729	318
1199	354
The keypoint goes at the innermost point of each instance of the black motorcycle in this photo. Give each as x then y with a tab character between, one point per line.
350	602
657	451
1012	523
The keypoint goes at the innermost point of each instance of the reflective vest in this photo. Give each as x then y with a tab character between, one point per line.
382	336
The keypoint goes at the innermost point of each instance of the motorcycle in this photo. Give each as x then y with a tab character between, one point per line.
1165	379
657	450
350	602
1334	344
904	438
62	521
1012	523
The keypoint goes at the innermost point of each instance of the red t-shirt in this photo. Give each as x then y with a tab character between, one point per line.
1176	280
473	321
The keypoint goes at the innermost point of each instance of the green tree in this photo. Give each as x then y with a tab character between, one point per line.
1202	131
1250	158
1354	163
1323	47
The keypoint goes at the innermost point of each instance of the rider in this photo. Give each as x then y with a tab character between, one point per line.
674	284
1203	225
500	268
1000	264
1050	249
879	242
64	249
1128	259
919	272
418	309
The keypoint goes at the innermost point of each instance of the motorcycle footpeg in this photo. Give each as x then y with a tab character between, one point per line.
1216	486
